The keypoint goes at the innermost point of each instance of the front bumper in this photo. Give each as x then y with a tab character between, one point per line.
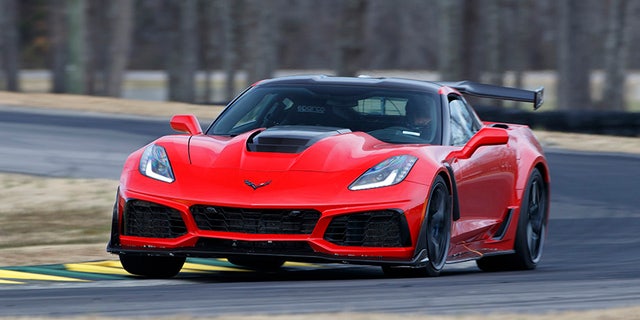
382	234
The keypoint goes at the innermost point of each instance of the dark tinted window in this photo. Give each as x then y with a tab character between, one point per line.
390	115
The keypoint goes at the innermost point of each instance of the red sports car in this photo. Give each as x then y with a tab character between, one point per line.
390	172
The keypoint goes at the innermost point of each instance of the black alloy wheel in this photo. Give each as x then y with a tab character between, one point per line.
438	217
438	227
536	204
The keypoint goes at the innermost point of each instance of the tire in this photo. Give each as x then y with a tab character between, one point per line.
152	266
438	232
531	232
258	263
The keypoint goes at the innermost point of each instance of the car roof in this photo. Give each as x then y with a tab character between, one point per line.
387	83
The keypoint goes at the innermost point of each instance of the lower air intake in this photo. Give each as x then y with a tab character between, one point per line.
386	228
147	219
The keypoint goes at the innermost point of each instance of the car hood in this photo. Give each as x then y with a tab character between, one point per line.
310	149
221	169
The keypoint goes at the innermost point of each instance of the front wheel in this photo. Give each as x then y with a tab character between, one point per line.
438	232
438	227
532	227
152	266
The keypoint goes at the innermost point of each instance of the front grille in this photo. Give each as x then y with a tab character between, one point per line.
255	221
369	229
146	219
266	247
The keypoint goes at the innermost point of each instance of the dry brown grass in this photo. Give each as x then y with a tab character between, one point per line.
107	105
37	213
589	142
41	211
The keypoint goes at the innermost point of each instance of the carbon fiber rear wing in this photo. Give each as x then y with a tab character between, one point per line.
497	92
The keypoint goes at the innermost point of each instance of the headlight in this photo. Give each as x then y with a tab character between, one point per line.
386	173
155	164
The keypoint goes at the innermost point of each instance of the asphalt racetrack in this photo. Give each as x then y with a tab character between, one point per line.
591	258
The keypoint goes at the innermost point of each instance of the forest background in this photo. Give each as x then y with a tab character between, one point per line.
209	50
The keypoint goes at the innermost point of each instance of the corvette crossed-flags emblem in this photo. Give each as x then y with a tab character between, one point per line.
254	186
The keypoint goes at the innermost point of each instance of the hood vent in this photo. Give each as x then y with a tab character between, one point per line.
290	139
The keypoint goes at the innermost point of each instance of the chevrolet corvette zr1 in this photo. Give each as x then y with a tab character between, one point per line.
382	171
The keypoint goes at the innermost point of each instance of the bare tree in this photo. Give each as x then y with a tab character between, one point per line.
109	29
493	51
471	44
621	14
76	66
10	43
417	20
450	58
463	39
307	30
261	43
230	16
59	45
120	27
516	14
183	53
385	19
574	63
2	54
208	46
350	38
95	47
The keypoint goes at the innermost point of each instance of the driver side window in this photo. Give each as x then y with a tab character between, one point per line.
463	124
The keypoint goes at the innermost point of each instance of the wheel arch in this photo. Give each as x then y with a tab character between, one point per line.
525	172
544	170
546	177
450	181
523	178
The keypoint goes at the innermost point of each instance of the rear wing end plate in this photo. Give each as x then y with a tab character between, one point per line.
498	92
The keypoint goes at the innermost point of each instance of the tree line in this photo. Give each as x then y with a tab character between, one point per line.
88	45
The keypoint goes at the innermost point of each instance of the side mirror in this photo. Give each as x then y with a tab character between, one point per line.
487	136
187	123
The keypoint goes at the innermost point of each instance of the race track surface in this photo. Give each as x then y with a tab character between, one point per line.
590	261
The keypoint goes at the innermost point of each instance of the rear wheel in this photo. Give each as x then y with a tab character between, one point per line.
531	232
438	233
152	266
258	263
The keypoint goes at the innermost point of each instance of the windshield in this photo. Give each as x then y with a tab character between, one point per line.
390	115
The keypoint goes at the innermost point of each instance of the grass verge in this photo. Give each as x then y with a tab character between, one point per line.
38	213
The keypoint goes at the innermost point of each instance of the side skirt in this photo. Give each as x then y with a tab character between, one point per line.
461	259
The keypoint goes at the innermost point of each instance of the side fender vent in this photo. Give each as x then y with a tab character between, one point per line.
502	230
